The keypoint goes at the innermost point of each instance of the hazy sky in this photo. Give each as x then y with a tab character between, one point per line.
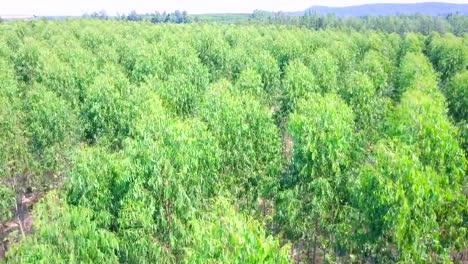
62	7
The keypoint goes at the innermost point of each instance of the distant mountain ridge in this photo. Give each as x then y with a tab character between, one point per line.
427	8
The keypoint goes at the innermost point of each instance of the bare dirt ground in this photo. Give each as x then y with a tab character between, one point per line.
21	223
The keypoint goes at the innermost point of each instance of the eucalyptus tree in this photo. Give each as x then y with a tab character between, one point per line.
313	198
223	225
449	54
298	81
248	137
456	92
325	68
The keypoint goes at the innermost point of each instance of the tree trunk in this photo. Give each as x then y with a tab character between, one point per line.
20	212
314	254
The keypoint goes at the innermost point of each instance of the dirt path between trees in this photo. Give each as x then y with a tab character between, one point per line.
21	223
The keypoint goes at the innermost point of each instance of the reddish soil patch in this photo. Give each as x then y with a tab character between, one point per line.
6	229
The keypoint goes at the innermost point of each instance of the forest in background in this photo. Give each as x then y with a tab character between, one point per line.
209	143
456	23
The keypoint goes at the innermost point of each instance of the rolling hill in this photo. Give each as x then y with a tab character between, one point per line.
428	8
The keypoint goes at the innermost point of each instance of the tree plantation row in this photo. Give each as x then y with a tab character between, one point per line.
202	143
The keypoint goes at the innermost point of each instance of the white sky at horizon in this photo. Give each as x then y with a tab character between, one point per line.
112	7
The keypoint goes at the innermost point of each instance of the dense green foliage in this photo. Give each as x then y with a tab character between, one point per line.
202	143
249	140
66	234
449	54
457	95
223	235
418	173
323	132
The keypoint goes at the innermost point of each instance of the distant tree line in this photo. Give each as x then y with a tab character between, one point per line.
401	23
156	17
175	17
97	14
